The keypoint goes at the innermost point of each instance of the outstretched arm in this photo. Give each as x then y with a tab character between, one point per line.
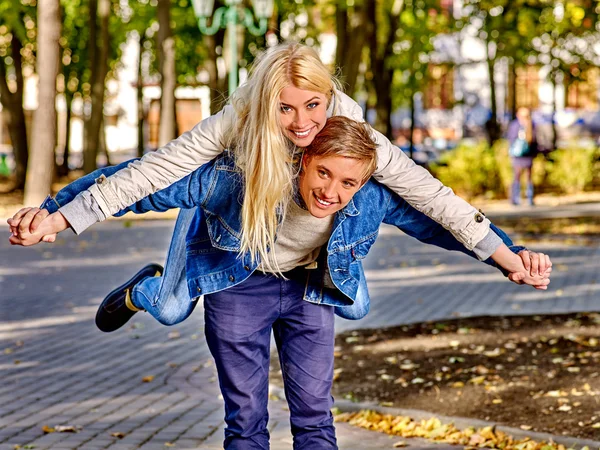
496	249
58	213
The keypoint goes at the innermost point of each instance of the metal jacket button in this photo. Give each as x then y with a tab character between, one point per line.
231	278
479	217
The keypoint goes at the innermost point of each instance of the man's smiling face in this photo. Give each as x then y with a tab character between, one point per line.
328	183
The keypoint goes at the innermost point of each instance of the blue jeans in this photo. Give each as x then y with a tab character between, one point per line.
238	324
167	298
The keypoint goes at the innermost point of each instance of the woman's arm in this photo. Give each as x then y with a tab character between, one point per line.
419	188
159	169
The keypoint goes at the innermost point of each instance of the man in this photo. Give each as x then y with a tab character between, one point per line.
329	228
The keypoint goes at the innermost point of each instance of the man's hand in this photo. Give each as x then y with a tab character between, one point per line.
30	226
535	263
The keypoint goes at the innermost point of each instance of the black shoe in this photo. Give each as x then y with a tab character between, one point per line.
113	313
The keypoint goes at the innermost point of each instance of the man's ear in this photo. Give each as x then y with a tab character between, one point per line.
305	160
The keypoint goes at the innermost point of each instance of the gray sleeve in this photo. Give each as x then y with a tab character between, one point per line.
82	212
487	246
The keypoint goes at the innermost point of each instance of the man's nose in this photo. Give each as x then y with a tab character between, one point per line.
329	189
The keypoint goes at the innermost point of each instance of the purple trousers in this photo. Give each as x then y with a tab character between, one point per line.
238	325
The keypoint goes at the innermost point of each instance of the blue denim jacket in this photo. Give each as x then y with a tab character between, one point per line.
213	262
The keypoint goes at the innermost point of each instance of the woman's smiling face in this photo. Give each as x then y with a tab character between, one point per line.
303	114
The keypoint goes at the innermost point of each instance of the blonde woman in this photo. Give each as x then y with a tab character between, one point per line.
522	150
289	95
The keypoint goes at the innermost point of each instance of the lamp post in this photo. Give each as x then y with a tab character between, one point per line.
230	16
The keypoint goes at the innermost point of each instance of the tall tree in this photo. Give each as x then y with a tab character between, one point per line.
352	28
421	23
17	37
381	41
75	63
99	49
506	28
166	62
567	43
41	169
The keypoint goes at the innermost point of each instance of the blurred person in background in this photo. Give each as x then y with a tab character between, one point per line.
523	148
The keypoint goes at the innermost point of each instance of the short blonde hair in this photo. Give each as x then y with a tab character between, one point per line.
342	136
262	151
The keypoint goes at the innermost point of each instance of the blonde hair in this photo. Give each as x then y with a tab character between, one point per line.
342	136
524	116
262	151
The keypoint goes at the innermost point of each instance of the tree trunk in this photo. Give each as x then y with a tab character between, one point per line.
90	147
492	126
412	123
513	91
140	99
351	28
39	173
13	103
218	86
166	62
554	109
63	169
100	69
102	143
382	75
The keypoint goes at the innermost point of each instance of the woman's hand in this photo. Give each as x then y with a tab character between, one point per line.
30	226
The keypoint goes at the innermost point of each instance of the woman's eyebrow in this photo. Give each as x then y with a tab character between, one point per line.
312	99
306	102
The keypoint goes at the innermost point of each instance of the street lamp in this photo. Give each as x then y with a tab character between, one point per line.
229	16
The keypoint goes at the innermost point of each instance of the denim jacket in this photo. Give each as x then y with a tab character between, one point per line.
213	262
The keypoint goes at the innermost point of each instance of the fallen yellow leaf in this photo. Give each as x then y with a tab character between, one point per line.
118	434
46	429
477	380
148	378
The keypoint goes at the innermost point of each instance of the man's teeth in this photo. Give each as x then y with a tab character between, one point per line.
323	202
302	134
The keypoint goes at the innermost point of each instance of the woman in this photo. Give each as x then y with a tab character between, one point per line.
289	95
522	150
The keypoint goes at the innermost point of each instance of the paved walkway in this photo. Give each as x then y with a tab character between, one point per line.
57	369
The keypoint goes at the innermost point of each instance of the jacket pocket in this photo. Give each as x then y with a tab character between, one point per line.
360	248
200	246
221	235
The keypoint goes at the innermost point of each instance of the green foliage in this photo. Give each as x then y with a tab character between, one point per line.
471	170
571	170
17	21
420	22
475	170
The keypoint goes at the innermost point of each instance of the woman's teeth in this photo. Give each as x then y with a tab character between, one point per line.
302	134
